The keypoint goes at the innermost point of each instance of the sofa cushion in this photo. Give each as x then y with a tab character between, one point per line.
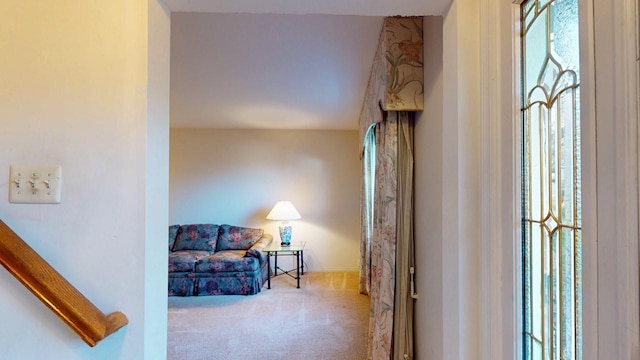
173	232
237	237
185	260
197	237
227	260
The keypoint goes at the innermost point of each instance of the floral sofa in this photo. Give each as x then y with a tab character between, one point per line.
207	259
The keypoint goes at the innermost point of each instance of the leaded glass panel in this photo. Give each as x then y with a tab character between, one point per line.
551	213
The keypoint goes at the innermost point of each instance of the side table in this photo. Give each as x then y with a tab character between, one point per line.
295	249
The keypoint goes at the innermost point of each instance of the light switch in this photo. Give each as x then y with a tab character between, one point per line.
35	184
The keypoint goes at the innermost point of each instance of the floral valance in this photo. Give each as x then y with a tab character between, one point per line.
396	82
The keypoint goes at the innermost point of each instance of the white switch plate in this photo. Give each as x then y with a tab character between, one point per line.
35	184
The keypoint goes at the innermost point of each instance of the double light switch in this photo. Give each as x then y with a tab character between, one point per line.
35	184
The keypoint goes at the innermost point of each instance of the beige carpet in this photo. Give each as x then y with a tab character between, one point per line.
325	319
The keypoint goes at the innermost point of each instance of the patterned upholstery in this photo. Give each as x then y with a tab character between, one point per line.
197	237
173	233
185	260
256	250
181	286
237	238
229	260
196	269
238	283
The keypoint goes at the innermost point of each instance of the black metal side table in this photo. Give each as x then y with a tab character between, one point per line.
295	249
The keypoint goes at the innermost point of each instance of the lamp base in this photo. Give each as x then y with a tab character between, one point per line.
285	235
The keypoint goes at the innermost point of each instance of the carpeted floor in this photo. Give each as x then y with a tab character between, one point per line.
325	319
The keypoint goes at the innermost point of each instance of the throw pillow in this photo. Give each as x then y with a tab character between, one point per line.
197	237
173	232
237	237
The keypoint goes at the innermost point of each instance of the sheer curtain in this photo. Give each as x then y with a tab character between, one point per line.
390	334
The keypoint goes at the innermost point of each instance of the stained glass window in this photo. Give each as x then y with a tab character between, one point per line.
551	185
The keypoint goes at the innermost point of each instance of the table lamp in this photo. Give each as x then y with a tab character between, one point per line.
284	211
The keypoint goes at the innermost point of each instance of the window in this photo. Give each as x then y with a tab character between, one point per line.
369	168
551	184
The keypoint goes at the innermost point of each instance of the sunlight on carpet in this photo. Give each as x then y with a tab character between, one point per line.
325	319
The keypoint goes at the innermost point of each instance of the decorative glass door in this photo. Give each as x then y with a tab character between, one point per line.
551	185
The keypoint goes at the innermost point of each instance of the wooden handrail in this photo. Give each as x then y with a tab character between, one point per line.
55	291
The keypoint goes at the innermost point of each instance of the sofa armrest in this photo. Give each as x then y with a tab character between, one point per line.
262	243
256	249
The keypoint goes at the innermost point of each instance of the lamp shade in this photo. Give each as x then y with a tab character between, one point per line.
284	210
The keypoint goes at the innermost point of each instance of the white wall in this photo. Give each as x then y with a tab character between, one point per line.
612	101
157	180
236	176
475	276
73	91
461	183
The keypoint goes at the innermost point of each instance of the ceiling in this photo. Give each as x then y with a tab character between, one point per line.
276	64
333	7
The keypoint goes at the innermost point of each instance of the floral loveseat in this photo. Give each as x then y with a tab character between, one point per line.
207	259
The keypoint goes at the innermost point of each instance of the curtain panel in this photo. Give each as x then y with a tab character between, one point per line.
405	256
395	82
383	244
395	88
390	334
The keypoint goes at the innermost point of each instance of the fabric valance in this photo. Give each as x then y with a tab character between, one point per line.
396	82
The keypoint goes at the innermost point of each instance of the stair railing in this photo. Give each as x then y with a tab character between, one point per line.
55	291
